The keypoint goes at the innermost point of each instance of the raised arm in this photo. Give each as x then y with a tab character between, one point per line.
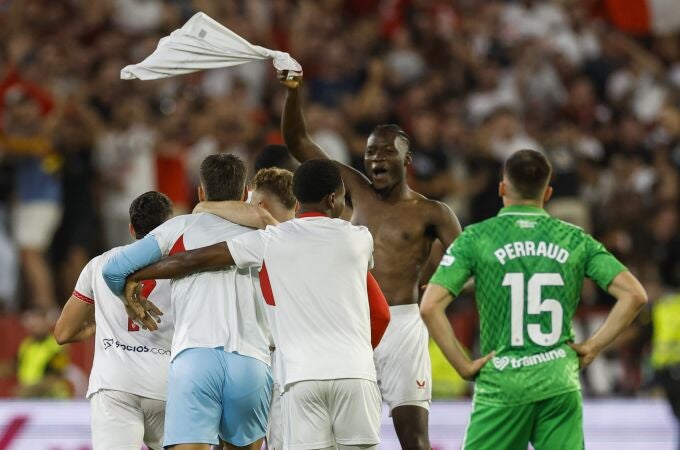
76	321
294	128
630	298
238	212
299	142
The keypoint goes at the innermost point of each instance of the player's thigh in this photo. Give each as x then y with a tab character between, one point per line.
559	423
499	427
355	411
402	360
117	421
246	394
194	404
410	422
154	422
275	425
306	419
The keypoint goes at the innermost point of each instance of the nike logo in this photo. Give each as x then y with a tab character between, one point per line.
420	384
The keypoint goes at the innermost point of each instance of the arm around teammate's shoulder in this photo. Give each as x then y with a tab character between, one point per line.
129	259
630	298
238	212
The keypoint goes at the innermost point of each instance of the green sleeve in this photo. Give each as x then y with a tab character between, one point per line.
457	264
602	267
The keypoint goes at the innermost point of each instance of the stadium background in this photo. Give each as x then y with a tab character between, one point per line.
593	84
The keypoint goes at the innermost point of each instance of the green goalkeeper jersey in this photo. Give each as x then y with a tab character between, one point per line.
528	270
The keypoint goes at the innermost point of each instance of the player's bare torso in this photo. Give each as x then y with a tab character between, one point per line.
403	233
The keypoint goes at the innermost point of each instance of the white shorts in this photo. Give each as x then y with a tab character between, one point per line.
402	360
123	421
319	413
274	426
34	224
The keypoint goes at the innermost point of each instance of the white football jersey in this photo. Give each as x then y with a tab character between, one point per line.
313	272
217	308
126	358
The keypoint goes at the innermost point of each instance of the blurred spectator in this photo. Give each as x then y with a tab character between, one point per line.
41	364
666	350
38	209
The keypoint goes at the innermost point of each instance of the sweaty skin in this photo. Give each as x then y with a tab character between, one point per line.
404	224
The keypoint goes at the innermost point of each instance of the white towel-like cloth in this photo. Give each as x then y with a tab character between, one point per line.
202	43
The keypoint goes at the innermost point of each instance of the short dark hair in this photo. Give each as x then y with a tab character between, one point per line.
223	177
529	172
274	156
148	211
278	182
315	179
393	128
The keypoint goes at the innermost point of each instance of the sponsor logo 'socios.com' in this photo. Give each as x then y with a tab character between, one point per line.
116	344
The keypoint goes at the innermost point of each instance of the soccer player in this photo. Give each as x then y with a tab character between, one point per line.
404	225
130	369
272	191
220	382
528	269
313	271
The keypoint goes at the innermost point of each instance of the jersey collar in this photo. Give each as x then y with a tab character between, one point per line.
311	214
522	210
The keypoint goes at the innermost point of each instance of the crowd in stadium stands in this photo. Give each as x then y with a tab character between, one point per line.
470	80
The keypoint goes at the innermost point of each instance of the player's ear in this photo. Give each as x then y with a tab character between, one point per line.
330	200
201	194
245	194
408	158
297	207
131	229
502	189
547	194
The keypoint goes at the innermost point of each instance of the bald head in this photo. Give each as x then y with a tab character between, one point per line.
528	173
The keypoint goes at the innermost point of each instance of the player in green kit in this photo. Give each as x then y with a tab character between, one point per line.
528	270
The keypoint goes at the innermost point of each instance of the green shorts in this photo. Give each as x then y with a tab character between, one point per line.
555	423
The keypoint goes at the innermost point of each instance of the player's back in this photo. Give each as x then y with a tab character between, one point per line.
216	308
126	358
529	270
317	270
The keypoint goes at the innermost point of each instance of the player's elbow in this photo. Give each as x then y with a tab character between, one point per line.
427	309
62	334
639	298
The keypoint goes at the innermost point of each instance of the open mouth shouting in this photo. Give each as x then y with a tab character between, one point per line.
379	173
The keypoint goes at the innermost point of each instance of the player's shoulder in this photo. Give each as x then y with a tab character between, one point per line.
173	224
568	225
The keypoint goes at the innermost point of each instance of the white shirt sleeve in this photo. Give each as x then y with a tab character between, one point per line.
83	289
249	248
167	233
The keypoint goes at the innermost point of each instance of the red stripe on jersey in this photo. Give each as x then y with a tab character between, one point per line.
82	297
148	287
178	246
266	286
311	214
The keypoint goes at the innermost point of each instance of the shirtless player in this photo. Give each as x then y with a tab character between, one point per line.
404	224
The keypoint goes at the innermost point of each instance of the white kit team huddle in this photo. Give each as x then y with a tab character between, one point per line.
276	343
